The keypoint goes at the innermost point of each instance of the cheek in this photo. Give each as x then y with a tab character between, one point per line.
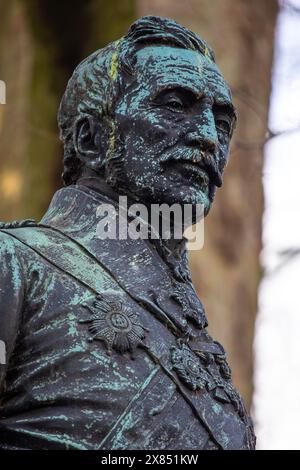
223	155
149	132
140	161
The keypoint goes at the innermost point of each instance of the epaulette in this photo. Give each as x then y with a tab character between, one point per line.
18	224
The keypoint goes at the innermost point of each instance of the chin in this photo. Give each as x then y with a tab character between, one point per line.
194	196
186	195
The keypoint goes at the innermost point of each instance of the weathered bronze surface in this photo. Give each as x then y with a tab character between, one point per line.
106	339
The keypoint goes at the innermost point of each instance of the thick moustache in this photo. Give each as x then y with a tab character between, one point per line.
188	168
204	164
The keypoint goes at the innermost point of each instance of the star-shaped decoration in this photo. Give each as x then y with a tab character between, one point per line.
114	323
189	368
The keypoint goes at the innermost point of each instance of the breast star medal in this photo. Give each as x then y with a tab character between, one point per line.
188	368
114	323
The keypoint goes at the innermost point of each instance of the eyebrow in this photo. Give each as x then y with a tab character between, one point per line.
165	86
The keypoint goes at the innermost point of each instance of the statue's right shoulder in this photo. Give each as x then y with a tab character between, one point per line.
17	224
9	243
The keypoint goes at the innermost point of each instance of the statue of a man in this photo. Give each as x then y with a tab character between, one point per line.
106	341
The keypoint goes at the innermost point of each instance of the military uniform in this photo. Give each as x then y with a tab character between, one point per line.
106	349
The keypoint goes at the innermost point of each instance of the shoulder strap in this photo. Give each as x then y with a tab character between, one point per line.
70	257
63	255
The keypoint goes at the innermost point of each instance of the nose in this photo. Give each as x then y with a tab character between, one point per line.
203	133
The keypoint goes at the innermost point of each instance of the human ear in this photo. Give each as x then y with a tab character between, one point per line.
87	141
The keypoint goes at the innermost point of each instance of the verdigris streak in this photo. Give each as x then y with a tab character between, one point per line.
106	340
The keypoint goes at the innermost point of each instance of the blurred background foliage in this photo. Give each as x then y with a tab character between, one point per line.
41	41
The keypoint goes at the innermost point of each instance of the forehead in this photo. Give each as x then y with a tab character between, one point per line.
160	66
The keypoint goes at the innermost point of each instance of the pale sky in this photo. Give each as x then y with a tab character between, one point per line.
276	406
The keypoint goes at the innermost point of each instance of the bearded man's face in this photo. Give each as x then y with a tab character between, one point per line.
175	121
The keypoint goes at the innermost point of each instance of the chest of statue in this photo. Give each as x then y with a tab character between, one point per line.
101	371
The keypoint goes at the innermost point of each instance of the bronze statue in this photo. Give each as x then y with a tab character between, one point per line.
106	340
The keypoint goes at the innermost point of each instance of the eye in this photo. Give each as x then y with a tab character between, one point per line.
175	102
223	124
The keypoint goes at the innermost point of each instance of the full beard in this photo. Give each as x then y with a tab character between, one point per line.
196	170
170	157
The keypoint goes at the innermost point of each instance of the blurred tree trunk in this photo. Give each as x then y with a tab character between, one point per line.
15	70
41	42
227	271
